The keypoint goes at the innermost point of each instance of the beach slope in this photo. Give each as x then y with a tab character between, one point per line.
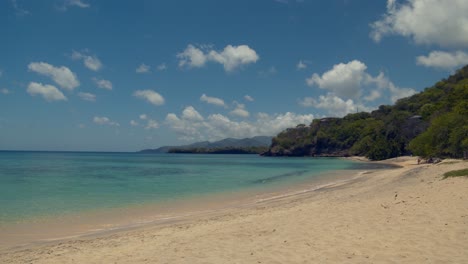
404	215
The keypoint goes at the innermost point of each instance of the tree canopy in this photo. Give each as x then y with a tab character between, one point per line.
431	123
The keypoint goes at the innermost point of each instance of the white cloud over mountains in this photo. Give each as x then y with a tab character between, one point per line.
334	105
231	57
48	92
191	125
240	111
443	60
150	96
440	22
347	84
62	75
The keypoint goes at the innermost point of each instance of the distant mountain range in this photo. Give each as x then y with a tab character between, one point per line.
258	141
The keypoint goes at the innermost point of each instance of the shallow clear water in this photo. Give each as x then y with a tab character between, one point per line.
35	184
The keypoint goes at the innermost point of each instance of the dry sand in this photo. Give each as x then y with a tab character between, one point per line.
405	215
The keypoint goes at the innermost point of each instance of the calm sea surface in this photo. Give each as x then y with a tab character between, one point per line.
38	184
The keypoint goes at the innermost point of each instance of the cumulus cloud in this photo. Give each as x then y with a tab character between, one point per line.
4	91
218	126
150	96
231	57
351	80
240	111
301	65
62	75
344	79
440	22
191	114
91	62
19	11
102	120
152	124
443	60
87	96
212	100
104	84
73	3
269	72
334	105
374	94
248	98
143	68
398	93
161	67
192	57
48	92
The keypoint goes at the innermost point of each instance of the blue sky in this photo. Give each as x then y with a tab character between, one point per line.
126	75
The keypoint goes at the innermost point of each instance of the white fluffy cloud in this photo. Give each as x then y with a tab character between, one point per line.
143	68
344	79
212	100
48	92
161	67
191	114
74	3
240	111
398	93
62	75
216	126
19	11
152	124
91	62
351	80
249	98
87	96
102	120
150	96
334	105
301	65
104	84
441	22
192	57
231	57
4	91
443	60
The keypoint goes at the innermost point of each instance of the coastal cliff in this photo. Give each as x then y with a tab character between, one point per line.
431	123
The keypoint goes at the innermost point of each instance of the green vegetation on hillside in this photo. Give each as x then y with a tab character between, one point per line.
431	123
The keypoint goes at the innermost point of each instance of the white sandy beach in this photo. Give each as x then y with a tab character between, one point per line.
405	215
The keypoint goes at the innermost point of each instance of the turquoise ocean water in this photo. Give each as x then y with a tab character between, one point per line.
38	184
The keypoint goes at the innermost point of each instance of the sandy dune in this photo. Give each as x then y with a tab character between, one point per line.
406	215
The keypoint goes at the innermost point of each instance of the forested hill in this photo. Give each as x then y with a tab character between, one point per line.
431	123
